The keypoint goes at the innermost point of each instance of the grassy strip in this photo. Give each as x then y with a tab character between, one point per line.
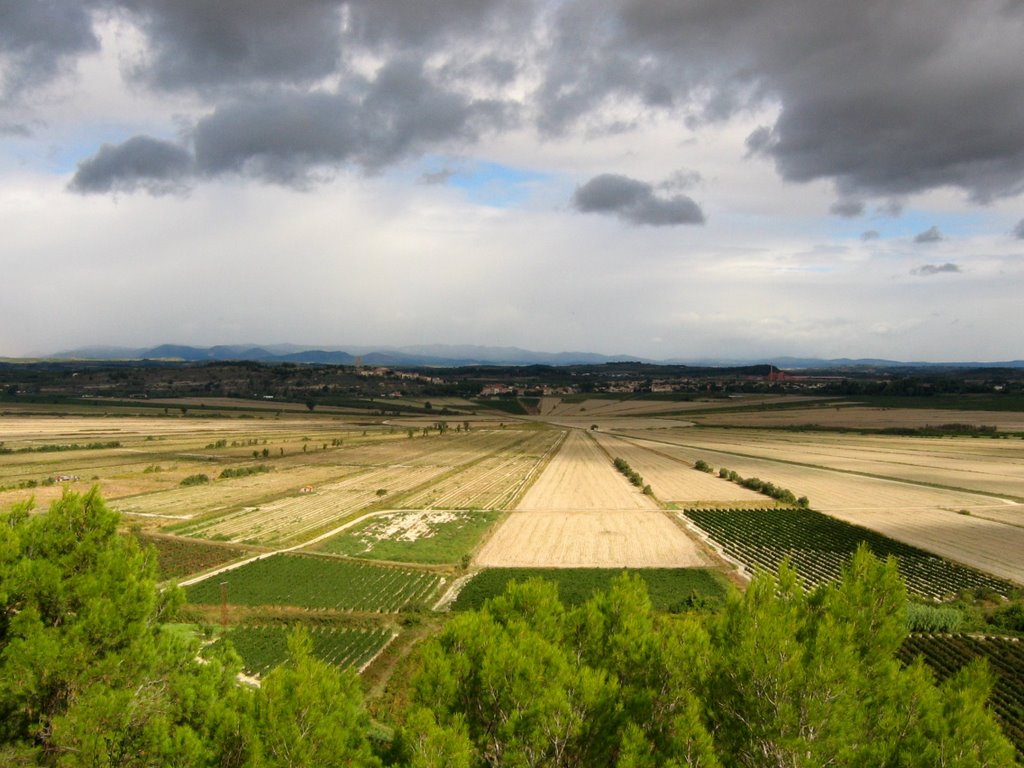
946	402
670	589
321	582
445	542
504	404
59	447
755	407
176	558
264	647
941	430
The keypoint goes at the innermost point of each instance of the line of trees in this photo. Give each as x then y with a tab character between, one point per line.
632	475
758	485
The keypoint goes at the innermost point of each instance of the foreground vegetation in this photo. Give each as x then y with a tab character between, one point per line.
947	655
91	676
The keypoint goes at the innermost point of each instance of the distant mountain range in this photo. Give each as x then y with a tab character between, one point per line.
447	355
428	355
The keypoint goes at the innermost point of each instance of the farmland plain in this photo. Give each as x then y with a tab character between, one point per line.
378	517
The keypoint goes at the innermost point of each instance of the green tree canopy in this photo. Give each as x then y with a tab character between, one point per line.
91	676
779	677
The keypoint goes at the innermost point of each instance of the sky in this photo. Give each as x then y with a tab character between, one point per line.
672	179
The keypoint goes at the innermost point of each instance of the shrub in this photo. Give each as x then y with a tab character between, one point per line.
244	471
199	479
927	618
1010	618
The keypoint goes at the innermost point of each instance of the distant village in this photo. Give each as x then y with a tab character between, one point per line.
329	384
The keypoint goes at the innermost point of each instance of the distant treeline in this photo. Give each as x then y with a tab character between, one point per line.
57	447
632	475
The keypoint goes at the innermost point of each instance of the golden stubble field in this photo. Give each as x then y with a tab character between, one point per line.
675	480
956	497
582	513
157	452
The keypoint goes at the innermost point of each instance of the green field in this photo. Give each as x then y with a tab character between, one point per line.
263	648
819	546
182	557
321	582
450	535
670	589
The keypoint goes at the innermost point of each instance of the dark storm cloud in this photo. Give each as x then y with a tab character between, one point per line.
285	136
882	98
159	167
930	235
295	137
1018	231
198	43
848	209
39	39
927	270
635	201
415	24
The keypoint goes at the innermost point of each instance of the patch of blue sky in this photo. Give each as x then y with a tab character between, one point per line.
912	222
486	183
59	155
